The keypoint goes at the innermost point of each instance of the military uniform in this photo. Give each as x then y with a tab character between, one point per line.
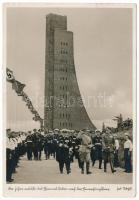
9	164
63	156
108	154
49	144
16	153
14	149
97	150
46	148
23	147
29	147
76	152
84	152
40	146
35	145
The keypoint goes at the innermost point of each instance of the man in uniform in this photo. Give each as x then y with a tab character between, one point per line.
108	152
35	144
40	144
76	151
63	156
16	151
84	151
97	149
29	144
9	164
46	147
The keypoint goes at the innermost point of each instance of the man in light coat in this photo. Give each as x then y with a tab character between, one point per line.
84	151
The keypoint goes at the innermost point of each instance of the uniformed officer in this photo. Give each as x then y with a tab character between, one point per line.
40	144
29	145
73	144
46	150
13	145
97	149
23	147
108	152
76	151
16	152
9	164
49	145
63	156
84	151
35	144
53	146
128	153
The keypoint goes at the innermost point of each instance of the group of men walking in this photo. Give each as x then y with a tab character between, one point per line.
65	149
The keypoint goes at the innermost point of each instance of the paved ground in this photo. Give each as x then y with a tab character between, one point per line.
47	172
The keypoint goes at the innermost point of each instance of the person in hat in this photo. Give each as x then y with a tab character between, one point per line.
108	152
29	145
46	147
63	156
40	141
35	144
84	151
128	153
9	161
97	149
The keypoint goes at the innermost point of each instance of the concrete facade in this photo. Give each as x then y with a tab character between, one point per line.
63	104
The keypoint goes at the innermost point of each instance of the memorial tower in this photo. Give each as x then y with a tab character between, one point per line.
63	104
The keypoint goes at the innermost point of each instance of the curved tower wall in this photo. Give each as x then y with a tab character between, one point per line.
63	104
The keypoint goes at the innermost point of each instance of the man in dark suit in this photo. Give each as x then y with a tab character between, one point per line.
29	145
97	148
35	144
63	156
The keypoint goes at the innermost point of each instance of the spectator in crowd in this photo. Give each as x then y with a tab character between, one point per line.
128	153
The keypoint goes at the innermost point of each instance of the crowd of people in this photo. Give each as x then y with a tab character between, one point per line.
66	148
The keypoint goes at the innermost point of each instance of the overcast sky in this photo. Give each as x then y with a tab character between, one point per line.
102	55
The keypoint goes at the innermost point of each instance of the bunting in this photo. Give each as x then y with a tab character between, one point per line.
9	75
18	87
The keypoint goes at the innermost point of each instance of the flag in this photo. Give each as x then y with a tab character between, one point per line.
28	103
25	97
18	87
30	106
9	75
33	110
36	118
37	115
21	93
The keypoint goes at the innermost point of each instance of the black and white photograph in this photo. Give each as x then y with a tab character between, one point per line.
70	95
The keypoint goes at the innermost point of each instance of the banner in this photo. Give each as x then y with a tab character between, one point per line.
18	87
9	75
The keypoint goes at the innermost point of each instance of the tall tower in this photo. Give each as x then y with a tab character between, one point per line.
63	104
